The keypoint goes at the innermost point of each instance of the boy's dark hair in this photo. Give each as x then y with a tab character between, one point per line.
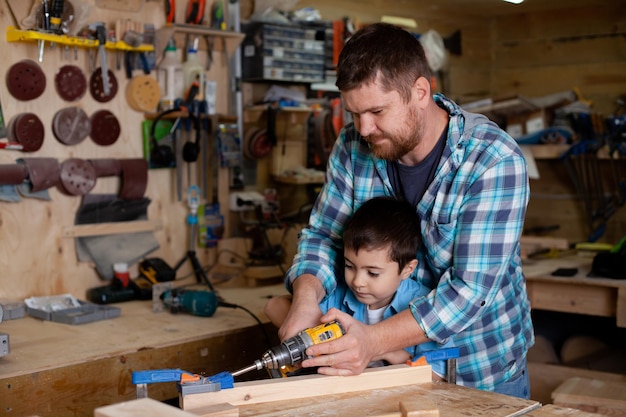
386	49
385	221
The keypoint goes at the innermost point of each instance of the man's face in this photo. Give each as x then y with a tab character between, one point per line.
391	127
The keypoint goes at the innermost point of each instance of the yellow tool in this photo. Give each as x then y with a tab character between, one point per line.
293	350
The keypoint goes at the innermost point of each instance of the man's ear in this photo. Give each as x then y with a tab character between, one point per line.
408	269
421	89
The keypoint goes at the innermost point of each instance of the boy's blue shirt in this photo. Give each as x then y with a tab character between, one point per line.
342	298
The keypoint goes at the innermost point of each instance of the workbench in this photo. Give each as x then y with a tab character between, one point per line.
56	369
577	294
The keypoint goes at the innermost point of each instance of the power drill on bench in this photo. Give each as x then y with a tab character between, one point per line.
293	350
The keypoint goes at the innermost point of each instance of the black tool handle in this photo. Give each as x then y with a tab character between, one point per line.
56	13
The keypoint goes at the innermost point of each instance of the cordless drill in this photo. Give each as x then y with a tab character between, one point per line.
293	350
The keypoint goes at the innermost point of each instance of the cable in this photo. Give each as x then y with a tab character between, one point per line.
235	306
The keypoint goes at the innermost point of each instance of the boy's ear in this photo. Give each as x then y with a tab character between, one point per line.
408	269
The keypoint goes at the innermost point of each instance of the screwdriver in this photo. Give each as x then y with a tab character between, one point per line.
56	14
101	35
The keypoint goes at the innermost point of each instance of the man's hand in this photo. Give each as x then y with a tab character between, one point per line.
305	310
348	355
362	343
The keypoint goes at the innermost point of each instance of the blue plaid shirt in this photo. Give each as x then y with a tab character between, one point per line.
471	218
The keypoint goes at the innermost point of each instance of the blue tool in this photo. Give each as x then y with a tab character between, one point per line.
446	354
187	382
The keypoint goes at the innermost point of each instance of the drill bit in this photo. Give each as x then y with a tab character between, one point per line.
253	367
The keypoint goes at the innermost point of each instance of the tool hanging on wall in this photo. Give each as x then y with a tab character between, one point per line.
170	11
195	11
102	39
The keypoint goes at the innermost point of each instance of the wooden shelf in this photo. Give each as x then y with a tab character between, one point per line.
230	39
254	113
286	179
17	35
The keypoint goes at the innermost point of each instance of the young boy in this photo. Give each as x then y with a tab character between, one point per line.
381	241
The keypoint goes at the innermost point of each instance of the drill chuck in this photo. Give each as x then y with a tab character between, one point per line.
293	350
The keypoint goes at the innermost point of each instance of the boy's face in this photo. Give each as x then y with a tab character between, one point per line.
372	276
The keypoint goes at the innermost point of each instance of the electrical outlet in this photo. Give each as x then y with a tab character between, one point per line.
245	200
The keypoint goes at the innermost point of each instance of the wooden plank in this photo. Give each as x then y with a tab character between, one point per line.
112	228
551	410
594	395
621	307
450	400
140	408
545	378
306	386
567	298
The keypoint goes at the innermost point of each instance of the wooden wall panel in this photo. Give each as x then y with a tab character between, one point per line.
35	259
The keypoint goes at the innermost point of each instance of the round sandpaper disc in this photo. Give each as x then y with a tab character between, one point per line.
105	128
25	80
78	176
96	87
27	130
70	83
143	93
71	125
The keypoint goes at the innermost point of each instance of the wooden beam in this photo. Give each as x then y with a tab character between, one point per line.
255	392
593	395
112	228
140	408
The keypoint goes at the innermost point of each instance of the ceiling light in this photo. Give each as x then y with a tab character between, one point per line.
514	1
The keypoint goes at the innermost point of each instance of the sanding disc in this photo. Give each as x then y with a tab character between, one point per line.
77	176
257	144
143	93
71	125
25	80
27	130
70	83
105	128
96	87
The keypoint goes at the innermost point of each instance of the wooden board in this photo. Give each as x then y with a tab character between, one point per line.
450	400
545	378
307	386
140	408
552	410
594	395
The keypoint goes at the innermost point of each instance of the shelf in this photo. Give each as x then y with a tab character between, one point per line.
17	35
231	40
220	118
300	180
254	113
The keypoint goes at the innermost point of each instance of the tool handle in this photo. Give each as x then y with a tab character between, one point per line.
56	12
442	354
158	375
101	35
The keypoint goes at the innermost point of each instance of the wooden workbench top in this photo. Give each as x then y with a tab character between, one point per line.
37	345
543	268
578	294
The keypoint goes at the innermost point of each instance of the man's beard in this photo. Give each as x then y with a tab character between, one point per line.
398	145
